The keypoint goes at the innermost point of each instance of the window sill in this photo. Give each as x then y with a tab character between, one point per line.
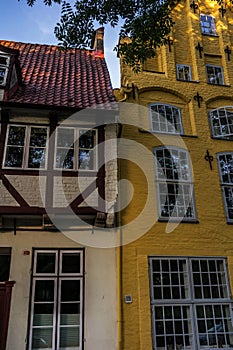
212	35
153	72
177	220
164	133
189	81
223	85
223	138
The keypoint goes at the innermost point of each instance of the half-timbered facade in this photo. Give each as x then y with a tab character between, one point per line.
54	186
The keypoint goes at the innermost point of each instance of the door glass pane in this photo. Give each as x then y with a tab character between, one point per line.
42	338
45	263
71	263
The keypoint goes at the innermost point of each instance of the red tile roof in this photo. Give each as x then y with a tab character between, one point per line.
53	77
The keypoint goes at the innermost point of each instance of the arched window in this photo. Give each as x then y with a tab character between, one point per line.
165	118
225	162
174	183
221	120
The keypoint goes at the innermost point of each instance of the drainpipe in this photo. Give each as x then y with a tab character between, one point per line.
120	263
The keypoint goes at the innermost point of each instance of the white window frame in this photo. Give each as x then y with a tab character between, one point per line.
177	205
226	183
217	78
57	277
164	125
76	148
26	147
180	274
208	25
221	121
5	67
186	72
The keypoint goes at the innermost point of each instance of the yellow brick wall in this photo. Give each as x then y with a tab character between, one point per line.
210	235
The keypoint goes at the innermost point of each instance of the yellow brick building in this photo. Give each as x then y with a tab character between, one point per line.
176	245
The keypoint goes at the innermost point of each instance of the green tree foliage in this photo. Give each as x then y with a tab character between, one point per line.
146	22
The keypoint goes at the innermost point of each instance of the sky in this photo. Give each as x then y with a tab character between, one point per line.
19	22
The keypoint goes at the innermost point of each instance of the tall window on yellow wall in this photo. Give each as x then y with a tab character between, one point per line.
225	162
190	303
174	184
183	72
208	24
165	118
214	74
221	121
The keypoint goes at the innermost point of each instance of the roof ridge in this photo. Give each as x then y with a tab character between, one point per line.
44	44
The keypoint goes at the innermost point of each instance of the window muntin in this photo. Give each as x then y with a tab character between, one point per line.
185	321
221	120
75	149
214	74
165	118
183	72
174	183
56	302
4	64
26	147
208	24
225	162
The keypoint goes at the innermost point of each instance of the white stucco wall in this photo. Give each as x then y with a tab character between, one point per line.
100	304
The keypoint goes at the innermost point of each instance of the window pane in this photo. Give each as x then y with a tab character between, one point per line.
42	338
14	157
87	139
70	290
38	137
45	262
44	291
175	331
4	267
65	158
16	135
69	338
36	158
70	263
3	60
65	137
70	314
86	161
215	327
43	314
